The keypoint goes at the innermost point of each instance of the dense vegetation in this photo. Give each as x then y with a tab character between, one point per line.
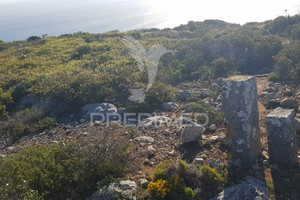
178	180
60	171
75	69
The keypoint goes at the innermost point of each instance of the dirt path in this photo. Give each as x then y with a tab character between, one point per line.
261	84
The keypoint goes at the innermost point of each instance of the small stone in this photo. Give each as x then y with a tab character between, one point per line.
213	139
86	133
10	148
151	148
170	106
212	127
266	155
199	161
166	132
143	183
143	144
2	155
171	153
152	164
214	164
82	121
140	173
144	139
204	156
146	161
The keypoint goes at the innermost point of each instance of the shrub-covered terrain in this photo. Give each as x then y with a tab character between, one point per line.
62	171
49	153
76	69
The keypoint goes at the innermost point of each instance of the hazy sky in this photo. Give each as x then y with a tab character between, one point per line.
20	19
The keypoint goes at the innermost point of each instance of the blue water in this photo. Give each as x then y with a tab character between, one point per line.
20	19
24	18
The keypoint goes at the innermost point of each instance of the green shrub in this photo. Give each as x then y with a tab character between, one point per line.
189	193
3	113
45	123
215	116
33	38
193	97
59	171
80	51
167	182
210	176
26	122
159	93
271	104
274	76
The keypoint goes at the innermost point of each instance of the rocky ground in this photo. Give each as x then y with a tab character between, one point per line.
152	145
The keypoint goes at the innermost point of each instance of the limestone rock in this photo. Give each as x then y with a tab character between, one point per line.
123	189
250	189
97	110
215	86
240	105
183	94
144	139
212	127
271	87
170	106
272	97
289	103
143	183
155	121
192	133
282	140
199	161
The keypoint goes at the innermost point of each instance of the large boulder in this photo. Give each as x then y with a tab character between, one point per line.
98	110
250	189
124	189
192	133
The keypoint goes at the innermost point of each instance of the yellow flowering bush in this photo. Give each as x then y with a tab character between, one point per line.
211	176
159	188
167	183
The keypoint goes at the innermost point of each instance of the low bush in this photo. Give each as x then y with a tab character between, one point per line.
46	123
210	176
159	93
215	116
59	171
178	180
26	122
3	113
168	181
271	104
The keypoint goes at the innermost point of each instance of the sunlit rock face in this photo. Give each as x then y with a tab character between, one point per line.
239	103
282	140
